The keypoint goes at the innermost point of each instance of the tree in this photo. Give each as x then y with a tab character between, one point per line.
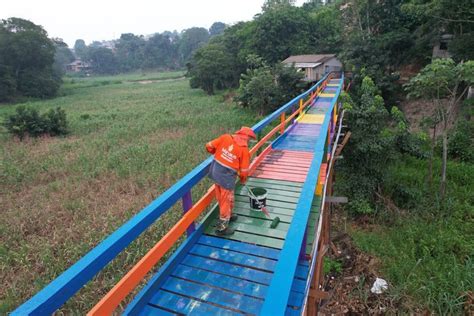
191	39
445	84
370	149
27	57
276	4
129	52
281	32
217	28
210	68
103	60
80	48
159	52
62	57
265	88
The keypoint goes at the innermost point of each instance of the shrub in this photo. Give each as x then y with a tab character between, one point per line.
461	141
27	121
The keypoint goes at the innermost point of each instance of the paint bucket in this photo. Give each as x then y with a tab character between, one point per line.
259	199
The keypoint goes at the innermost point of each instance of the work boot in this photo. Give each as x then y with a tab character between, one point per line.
223	228
233	218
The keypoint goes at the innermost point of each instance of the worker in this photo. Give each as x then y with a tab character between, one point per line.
231	158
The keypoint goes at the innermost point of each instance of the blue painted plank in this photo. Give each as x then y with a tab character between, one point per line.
231	284
240	247
56	293
218	280
218	296
144	296
187	306
293	312
228	269
280	287
234	257
149	310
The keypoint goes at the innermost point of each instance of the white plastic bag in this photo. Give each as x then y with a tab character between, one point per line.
379	286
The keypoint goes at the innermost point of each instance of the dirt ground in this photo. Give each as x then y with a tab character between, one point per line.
350	289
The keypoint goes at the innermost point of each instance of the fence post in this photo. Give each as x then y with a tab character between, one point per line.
187	204
282	122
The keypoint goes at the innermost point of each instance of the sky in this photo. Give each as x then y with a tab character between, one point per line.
105	19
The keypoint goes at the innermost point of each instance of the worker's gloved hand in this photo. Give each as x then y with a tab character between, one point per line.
243	179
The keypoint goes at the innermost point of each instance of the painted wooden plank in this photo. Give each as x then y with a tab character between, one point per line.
234	257
187	306
296	185
234	301
262	222
312	118
285	166
232	270
284	219
272	210
243	191
240	247
236	271
270	197
290	170
270	202
252	239
288	164
222	281
259	231
278	176
149	310
236	285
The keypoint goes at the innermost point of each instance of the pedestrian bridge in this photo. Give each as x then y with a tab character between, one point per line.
257	270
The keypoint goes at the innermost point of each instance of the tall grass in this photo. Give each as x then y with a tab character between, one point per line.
427	250
61	196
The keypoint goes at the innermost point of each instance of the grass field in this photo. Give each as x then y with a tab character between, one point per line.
61	196
427	250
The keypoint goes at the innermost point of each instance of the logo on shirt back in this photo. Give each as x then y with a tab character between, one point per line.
231	147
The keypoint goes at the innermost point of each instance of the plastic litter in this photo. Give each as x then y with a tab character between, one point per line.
379	286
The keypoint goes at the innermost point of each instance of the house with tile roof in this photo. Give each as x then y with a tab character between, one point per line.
314	66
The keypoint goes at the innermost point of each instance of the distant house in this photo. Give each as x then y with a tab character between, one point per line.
78	66
314	66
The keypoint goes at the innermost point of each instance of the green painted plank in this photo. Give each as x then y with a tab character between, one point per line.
270	209
251	239
271	191
272	181
250	213
261	222
272	197
261	231
270	203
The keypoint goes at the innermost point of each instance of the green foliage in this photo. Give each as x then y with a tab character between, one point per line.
370	149
217	28
102	60
461	141
62	57
27	121
80	48
210	69
332	266
427	254
26	61
191	39
265	88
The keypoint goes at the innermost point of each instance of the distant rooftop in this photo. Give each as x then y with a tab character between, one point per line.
308	59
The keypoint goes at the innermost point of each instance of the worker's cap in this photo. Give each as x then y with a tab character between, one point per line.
247	131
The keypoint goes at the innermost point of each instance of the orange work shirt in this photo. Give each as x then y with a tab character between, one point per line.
231	151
